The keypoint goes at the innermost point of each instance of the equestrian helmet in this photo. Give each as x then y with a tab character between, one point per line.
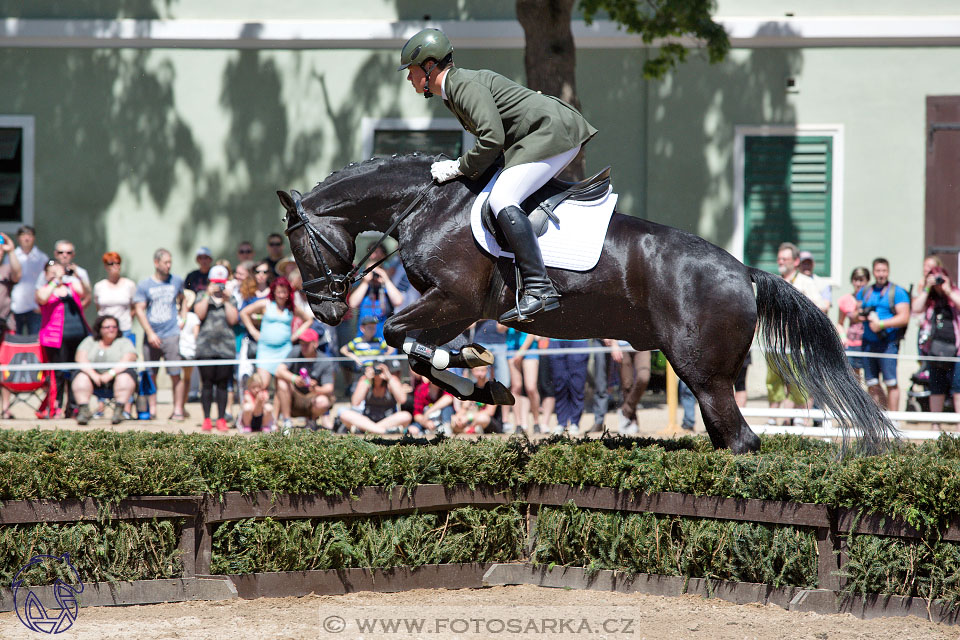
425	44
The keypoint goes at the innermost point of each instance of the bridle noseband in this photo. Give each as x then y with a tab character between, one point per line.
338	285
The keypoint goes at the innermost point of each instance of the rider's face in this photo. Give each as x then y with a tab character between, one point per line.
417	78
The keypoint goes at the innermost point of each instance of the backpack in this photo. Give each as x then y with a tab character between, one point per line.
890	289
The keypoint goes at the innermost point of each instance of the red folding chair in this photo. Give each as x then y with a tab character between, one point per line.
16	350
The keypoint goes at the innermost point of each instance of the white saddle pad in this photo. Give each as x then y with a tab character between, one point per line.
575	244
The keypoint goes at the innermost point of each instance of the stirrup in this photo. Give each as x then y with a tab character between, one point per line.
547	303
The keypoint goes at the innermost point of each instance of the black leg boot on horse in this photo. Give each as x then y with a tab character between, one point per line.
538	293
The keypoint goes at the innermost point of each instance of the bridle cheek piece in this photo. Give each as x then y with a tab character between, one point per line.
338	285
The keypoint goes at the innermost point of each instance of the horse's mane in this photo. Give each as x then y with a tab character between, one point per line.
370	165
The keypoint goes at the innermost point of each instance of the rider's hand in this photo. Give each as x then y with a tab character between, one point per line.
445	170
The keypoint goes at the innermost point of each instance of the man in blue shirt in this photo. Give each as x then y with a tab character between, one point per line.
885	310
155	302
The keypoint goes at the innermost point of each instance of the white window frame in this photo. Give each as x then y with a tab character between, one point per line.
26	124
368	126
833	131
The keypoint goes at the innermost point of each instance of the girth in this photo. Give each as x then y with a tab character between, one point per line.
539	207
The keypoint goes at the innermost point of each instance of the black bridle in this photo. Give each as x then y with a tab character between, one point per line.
338	285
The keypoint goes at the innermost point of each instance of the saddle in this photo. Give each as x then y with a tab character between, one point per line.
539	207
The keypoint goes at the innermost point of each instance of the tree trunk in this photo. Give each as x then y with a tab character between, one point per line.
550	57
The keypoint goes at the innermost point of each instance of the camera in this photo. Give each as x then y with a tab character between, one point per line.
939	280
69	271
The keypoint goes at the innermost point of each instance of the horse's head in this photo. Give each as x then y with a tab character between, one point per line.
323	249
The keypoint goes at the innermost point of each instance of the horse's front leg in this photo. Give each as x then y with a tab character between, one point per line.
433	320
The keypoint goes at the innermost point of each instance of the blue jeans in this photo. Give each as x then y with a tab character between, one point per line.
501	368
601	397
569	379
874	367
689	403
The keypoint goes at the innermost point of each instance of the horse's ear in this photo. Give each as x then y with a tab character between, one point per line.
287	201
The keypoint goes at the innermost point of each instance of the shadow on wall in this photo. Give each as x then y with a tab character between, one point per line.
105	118
262	152
693	113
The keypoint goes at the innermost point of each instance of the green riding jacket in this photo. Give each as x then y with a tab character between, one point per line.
505	116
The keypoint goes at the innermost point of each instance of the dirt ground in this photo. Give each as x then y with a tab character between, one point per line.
497	612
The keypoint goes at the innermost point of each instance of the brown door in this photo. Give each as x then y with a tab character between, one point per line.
943	180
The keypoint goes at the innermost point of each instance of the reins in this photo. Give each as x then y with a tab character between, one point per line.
338	285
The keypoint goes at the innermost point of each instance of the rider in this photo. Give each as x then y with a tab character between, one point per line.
539	135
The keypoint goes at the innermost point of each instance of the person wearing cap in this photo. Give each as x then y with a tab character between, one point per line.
215	341
367	346
309	396
197	280
538	135
285	266
806	267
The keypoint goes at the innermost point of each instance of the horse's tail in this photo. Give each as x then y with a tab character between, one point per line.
803	346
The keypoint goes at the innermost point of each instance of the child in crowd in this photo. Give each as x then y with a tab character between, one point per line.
257	411
475	417
432	408
367	345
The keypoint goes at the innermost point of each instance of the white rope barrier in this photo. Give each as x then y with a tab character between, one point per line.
68	366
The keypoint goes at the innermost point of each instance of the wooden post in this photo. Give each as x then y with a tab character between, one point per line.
673	429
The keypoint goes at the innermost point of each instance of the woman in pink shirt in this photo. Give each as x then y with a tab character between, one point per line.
849	322
62	325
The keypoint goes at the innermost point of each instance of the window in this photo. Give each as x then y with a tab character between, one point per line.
16	171
385	137
787	193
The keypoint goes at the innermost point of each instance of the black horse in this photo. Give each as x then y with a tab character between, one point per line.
655	286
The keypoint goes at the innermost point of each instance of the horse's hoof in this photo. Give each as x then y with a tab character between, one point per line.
499	394
473	355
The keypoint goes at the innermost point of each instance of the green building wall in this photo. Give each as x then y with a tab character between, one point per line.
179	147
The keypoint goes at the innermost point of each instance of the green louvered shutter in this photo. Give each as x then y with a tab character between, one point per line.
787	198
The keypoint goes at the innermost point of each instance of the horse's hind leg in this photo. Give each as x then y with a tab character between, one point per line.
721	415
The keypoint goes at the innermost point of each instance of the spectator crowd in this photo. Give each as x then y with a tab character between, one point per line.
280	365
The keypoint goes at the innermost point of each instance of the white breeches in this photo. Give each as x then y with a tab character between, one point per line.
516	184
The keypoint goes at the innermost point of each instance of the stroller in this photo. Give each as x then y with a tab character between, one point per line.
16	350
918	395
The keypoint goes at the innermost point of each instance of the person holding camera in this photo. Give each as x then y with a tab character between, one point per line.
885	312
375	403
64	253
215	341
375	295
938	303
62	325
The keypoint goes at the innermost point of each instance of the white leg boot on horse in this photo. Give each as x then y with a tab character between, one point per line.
469	355
538	293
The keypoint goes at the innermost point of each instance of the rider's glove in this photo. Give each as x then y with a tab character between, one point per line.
445	170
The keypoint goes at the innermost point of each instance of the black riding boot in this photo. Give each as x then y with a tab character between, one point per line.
538	293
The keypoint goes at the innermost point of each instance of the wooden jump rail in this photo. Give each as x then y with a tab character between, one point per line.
203	513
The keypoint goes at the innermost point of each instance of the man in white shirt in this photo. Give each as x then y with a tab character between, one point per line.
32	262
788	265
806	266
64	253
